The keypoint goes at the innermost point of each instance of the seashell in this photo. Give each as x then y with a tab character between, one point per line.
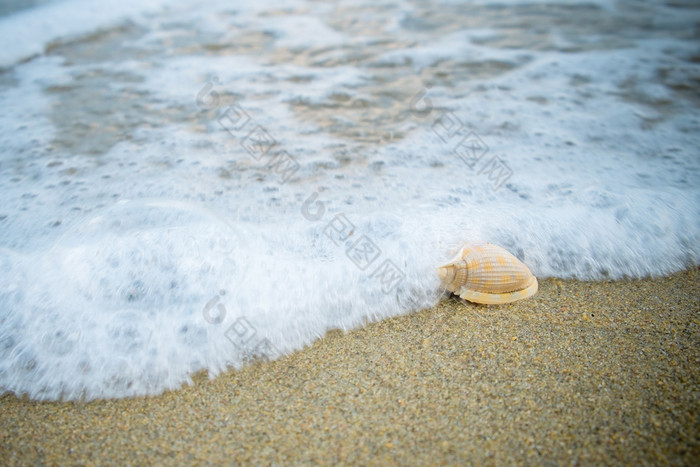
488	274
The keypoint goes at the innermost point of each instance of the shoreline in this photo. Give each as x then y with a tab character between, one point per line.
593	372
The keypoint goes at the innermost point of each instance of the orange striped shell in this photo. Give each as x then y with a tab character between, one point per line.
488	274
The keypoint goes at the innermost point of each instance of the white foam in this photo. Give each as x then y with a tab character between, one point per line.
127	264
28	32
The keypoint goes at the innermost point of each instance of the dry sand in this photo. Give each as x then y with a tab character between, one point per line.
604	372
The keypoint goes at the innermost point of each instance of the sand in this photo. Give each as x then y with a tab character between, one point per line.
605	372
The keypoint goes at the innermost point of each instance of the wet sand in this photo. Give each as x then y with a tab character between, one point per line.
603	372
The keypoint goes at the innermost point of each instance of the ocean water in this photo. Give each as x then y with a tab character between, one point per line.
195	185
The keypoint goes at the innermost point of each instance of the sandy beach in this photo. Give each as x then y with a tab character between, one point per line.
604	372
186	182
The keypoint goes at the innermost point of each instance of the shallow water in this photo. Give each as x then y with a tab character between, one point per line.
191	185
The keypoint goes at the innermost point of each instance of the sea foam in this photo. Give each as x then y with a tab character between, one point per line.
192	186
